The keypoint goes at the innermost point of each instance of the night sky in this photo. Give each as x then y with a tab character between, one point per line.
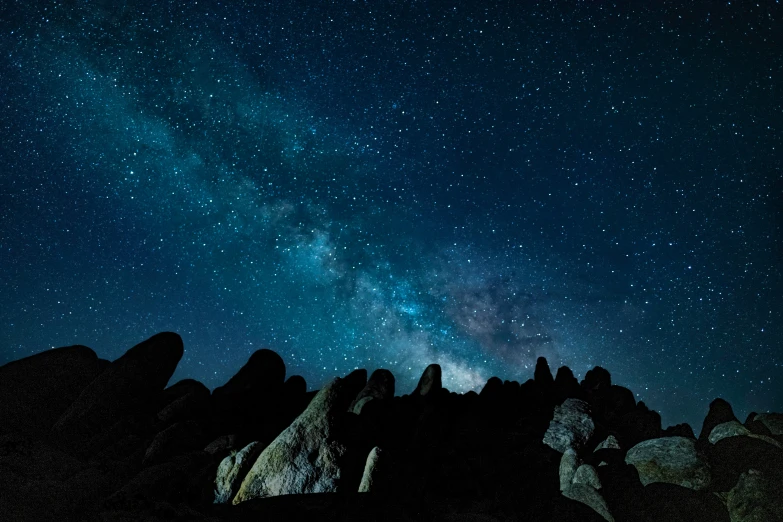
392	184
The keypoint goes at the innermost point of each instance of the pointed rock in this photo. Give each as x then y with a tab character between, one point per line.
308	456
380	386
609	443
674	460
37	390
129	384
264	371
373	478
542	374
589	497
571	426
232	471
430	382
183	401
566	385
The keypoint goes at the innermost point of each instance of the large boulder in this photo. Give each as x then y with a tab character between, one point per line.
753	499
310	455
36	390
263	371
720	411
772	421
379	386
571	426
674	460
727	429
232	471
731	456
127	385
430	383
589	497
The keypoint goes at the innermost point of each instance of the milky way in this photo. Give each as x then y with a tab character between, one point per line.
373	184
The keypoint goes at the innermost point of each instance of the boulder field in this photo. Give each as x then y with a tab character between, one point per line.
83	438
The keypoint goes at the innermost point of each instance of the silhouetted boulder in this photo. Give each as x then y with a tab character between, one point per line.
679	430
37	390
232	471
596	379
754	499
566	385
542	374
129	384
379	386
264	371
639	425
179	438
674	460
720	411
308	456
430	382
571	426
221	445
183	401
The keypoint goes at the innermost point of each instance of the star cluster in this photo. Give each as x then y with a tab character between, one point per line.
377	184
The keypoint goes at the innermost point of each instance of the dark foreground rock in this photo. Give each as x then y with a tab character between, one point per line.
84	439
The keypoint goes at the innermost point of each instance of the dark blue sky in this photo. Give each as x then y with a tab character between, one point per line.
378	184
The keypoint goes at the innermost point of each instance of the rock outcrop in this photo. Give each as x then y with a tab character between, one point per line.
36	390
674	460
379	386
308	456
572	426
430	382
232	471
127	385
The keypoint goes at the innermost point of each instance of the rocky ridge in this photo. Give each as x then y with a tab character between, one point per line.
86	439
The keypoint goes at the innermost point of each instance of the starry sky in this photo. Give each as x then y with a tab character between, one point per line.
391	184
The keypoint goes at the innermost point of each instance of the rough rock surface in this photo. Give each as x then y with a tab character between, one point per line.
727	429
571	426
373	480
36	390
307	457
754	499
128	384
232	471
379	386
589	497
674	460
609	443
586	474
430	382
569	463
